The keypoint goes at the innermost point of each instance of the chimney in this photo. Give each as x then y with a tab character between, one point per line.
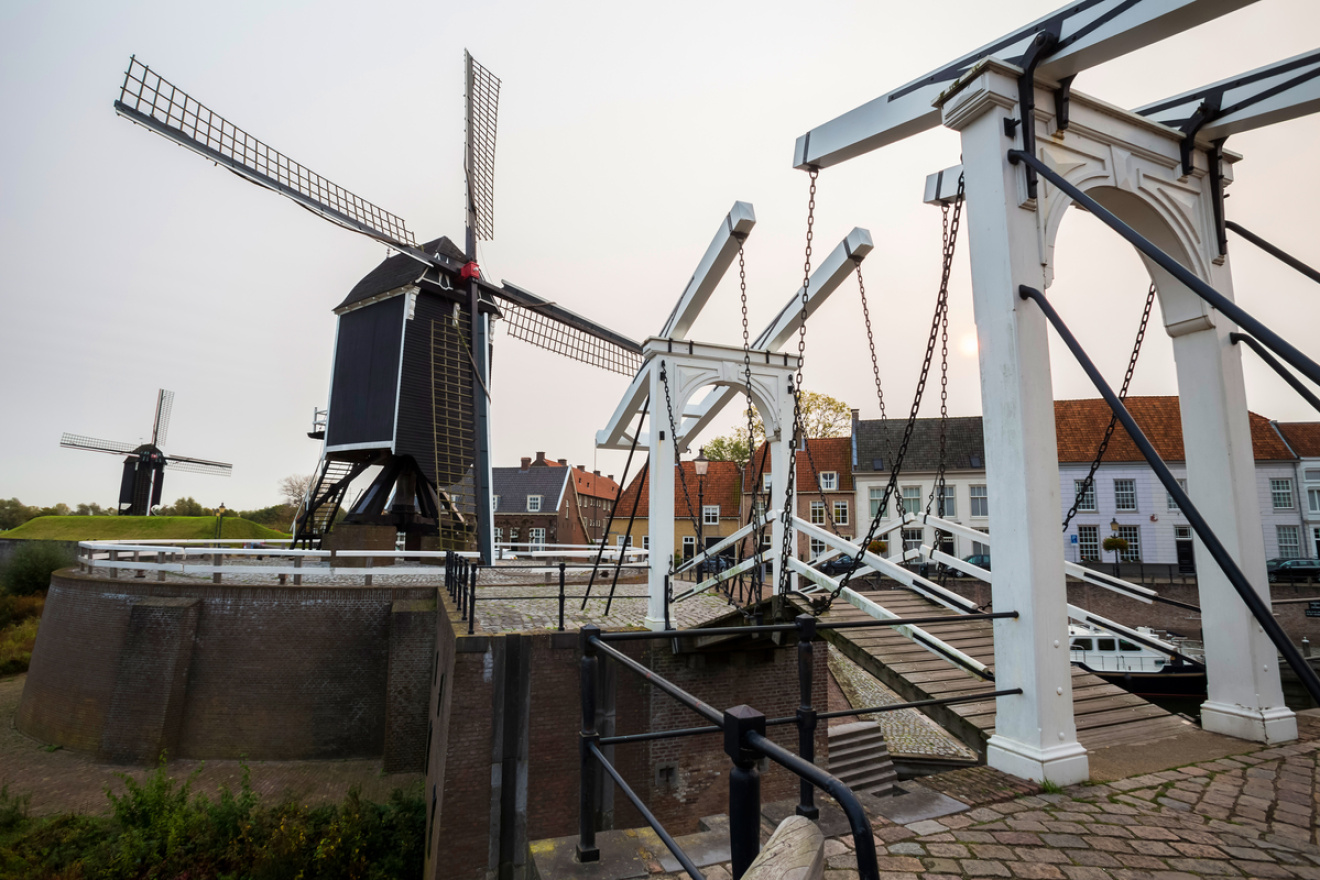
610	477
581	468
540	458
597	473
563	462
526	463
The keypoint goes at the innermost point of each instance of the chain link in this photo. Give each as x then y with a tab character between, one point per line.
758	533
875	363
795	389
682	477
1113	420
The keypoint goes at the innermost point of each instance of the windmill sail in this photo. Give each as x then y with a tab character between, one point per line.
164	405
92	444
483	105
198	465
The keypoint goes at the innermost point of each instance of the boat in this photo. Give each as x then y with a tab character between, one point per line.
1139	668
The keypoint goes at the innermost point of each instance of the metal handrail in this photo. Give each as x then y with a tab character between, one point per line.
1277	252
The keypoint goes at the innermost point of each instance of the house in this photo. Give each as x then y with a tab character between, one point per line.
706	508
544	502
824	485
1303	439
1125	493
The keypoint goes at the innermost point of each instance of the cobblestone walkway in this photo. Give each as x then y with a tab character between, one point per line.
1253	815
63	781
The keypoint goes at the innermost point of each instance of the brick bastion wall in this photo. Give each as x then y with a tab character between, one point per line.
126	669
505	715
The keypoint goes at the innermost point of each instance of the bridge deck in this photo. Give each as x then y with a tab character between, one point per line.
1106	715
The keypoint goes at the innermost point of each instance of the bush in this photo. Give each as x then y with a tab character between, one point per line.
16	645
29	568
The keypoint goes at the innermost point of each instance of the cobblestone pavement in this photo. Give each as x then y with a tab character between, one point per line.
907	731
1250	816
64	781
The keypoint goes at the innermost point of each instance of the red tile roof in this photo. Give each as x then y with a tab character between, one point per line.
594	485
828	454
722	485
1080	425
1303	437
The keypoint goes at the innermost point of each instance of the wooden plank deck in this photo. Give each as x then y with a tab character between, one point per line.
1106	715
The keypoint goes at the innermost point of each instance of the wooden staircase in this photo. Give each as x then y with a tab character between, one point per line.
860	758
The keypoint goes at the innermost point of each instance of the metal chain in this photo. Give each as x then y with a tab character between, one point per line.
785	552
1113	420
875	364
682	477
815	476
758	533
941	305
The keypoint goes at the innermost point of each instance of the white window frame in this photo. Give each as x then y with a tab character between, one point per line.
618	540
767	482
646	542
980	548
817	513
689	546
815	547
829	481
1133	535
1313	499
912	499
913	539
875	495
1278	486
534	503
1085	500
494	503
1171	502
499	535
979	494
710	514
1088	542
1294	543
950	502
536	538
1129	487
841	513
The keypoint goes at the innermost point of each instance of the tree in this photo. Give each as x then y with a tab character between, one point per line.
295	487
13	513
187	506
822	416
92	509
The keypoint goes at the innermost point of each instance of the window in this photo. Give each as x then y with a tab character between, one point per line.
1133	536
818	513
829	481
980	500
1081	644
876	494
1125	494
495	502
710	515
841	513
912	499
1182	533
944	543
948	506
758	510
533	503
1085	494
1290	542
1313	500
1088	542
1104	644
816	548
618	540
1312	475
912	538
1281	494
689	546
499	535
1124	645
536	537
1173	502
646	542
981	548
766	480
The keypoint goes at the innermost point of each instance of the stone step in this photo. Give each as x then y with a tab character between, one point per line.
860	758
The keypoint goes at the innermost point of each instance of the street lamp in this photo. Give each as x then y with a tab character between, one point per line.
219	519
701	464
1113	533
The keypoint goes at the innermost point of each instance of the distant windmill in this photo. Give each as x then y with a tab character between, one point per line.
144	468
410	383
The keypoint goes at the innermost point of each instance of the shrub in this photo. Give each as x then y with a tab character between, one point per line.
16	645
16	609
29	568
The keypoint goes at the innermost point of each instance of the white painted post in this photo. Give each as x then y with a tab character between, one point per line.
1245	697
660	525
1035	735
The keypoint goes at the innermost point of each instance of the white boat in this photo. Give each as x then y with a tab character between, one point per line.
1138	668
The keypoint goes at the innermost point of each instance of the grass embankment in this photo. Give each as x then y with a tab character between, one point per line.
158	829
112	528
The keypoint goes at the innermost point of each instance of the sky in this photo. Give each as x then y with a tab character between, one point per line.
626	132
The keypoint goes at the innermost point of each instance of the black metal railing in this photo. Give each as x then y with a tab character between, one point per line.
743	728
1274	251
461	584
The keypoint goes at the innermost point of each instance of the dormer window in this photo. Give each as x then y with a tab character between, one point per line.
829	481
533	503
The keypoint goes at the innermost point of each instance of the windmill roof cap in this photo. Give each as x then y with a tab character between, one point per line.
402	270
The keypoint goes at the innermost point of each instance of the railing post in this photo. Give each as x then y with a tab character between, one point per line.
367	567
744	787
587	851
217	559
472	602
297	578
561	597
669	594
806	714
114	557
460	587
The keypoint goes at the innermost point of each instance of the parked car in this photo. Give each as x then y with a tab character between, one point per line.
980	560
713	566
1293	570
838	565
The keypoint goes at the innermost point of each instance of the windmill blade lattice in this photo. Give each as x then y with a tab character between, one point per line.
546	325
199	466
164	405
155	103
483	104
92	444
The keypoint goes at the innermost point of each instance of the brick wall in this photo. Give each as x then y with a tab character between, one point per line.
408	684
275	673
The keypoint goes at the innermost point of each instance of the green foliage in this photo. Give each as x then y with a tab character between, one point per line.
277	516
13	513
94	528
1113	542
186	506
159	829
822	416
1050	787
729	447
16	644
28	569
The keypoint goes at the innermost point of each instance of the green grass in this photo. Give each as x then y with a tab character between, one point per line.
107	528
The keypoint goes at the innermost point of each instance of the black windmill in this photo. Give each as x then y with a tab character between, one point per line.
411	376
143	479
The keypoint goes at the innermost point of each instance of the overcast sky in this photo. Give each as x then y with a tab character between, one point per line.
626	131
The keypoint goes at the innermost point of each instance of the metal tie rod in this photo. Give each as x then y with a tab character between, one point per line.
1278	253
650	818
1278	368
1211	541
707	711
1277	343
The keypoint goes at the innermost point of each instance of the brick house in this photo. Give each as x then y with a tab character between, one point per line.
1303	439
547	502
825	497
711	505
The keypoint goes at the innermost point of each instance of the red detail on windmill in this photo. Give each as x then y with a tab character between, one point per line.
470	270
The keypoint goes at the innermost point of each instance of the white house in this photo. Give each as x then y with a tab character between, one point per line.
1303	439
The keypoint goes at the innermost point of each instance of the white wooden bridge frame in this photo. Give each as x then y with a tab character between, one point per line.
1132	166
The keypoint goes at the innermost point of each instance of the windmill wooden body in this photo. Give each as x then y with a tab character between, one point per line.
143	477
411	378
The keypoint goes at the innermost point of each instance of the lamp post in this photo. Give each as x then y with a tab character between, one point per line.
1113	533
701	464
219	519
